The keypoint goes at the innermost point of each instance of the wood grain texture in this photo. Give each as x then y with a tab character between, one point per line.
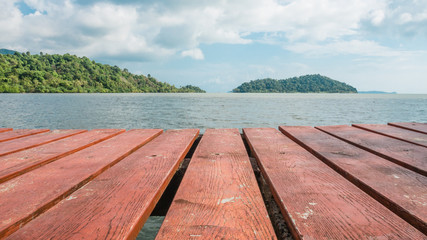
316	201
417	127
18	163
19	133
115	204
401	190
218	197
397	133
405	154
20	144
27	196
5	129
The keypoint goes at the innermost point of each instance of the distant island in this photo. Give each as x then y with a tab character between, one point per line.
377	92
44	73
6	51
315	83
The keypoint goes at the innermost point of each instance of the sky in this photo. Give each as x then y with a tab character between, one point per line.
217	45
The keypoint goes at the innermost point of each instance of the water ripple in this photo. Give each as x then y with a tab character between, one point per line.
171	111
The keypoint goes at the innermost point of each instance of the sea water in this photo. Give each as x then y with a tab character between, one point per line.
223	110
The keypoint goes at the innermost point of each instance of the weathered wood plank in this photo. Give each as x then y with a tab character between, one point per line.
218	197
19	133
27	196
397	133
20	144
18	163
316	201
417	127
5	129
401	190
405	154
115	204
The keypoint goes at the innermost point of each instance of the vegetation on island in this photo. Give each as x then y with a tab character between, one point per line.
305	84
44	73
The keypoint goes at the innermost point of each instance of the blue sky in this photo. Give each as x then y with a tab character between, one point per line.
217	45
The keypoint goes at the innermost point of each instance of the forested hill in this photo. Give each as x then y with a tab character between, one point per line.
6	51
44	73
304	84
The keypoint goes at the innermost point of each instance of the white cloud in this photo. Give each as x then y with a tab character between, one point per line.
355	47
400	19
377	17
10	20
405	18
146	30
195	53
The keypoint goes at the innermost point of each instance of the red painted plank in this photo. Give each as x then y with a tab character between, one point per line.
5	129
18	163
115	204
316	201
405	154
19	133
397	133
20	144
27	196
401	190
219	197
417	127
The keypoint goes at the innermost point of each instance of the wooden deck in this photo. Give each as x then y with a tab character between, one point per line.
365	181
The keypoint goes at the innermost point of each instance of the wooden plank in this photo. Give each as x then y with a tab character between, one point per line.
5	129
19	133
405	154
18	163
20	144
218	197
116	204
417	127
316	201
397	133
401	190
27	196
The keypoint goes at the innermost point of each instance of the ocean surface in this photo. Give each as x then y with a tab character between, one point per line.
211	110
223	110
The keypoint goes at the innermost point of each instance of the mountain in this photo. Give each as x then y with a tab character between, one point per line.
304	84
44	73
6	51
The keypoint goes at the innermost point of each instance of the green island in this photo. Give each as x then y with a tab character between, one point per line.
315	83
44	73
